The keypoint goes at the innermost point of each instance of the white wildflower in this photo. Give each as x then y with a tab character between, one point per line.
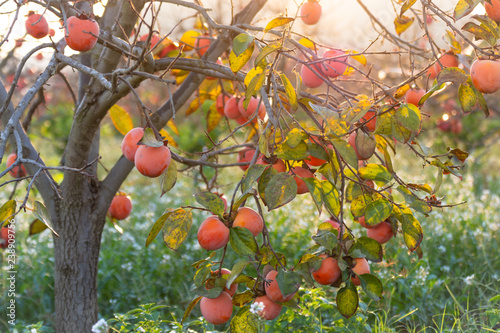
100	327
469	279
33	330
257	307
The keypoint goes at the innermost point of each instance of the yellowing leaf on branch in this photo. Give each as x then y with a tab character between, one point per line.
121	119
403	23
167	136
278	22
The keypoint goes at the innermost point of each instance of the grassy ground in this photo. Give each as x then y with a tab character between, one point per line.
449	290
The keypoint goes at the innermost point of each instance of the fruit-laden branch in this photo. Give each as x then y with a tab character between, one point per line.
122	168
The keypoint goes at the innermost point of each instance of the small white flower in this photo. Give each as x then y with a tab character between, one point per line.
469	279
257	307
100	327
33	330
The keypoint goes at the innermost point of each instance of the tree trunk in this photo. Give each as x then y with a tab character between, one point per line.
76	260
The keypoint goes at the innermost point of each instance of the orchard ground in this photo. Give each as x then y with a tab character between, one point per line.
451	289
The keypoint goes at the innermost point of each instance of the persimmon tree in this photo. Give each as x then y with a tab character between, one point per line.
329	126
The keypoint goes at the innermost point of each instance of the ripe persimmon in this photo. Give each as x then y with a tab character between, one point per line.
493	9
202	44
271	310
18	171
231	109
361	267
250	219
213	234
329	272
129	142
252	106
82	33
4	237
309	78
272	289
220	103
245	155
152	161
447	60
298	172
120	207
278	164
217	310
382	232
485	75
334	67
310	12
315	161
413	96
36	25
371	125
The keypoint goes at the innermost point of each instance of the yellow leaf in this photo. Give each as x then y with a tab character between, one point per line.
277	22
401	91
237	62
402	23
307	43
173	127
358	57
252	73
167	136
121	119
290	92
213	118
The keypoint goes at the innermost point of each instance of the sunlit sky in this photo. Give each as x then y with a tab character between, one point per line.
343	23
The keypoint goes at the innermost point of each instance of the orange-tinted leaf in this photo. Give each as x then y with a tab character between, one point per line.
402	23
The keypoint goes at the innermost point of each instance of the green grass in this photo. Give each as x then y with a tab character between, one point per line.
448	290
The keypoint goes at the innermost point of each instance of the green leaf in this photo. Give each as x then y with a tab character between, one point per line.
421	206
36	227
241	43
372	286
264	180
412	232
331	197
357	111
294	137
121	119
452	74
236	271
290	92
267	50
489	24
7	210
155	230
149	139
431	91
480	32
408	115
201	275
238	62
243	298
41	213
244	322
377	211
366	247
288	282
278	22
280	190
315	191
211	201
208	293
348	300
467	98
327	239
242	241
285	152
375	172
347	153
168	178
358	205
480	100
190	308
251	175
176	228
